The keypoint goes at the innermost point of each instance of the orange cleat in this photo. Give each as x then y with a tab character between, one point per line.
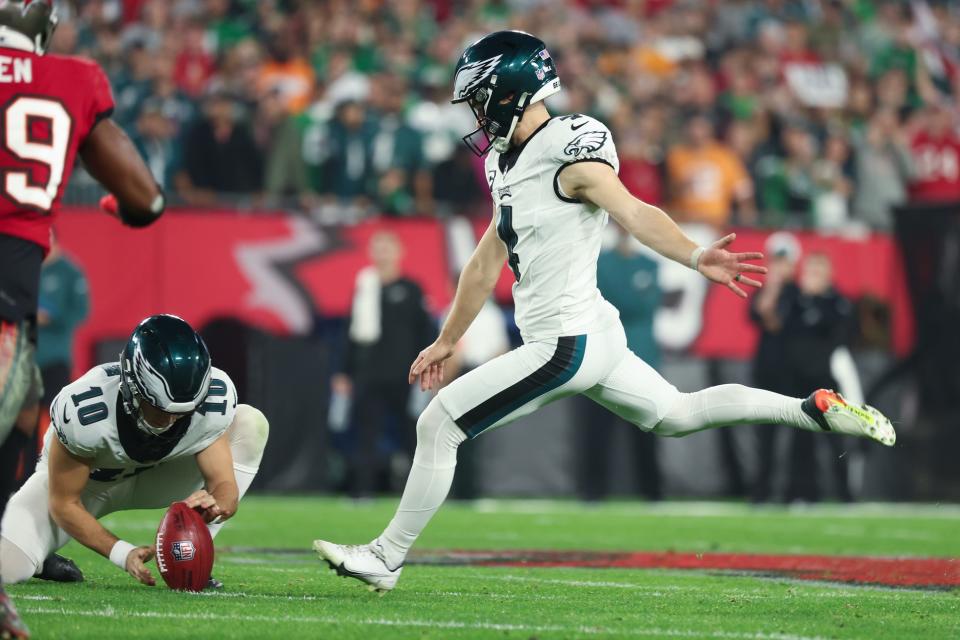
829	410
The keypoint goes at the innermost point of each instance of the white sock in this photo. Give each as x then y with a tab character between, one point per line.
429	481
730	404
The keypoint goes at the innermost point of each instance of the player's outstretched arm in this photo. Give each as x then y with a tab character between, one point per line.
111	158
477	281
68	478
597	183
220	497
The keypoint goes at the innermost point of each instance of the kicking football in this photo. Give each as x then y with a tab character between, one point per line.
567	319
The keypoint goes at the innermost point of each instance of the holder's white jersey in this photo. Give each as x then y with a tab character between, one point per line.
552	240
88	418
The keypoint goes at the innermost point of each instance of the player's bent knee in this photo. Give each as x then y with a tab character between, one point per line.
249	433
15	566
435	424
679	420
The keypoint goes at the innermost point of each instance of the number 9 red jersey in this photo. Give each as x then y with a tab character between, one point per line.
48	106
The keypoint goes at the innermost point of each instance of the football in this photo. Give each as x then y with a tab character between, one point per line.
184	549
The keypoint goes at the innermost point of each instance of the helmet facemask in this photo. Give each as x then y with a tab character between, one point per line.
496	121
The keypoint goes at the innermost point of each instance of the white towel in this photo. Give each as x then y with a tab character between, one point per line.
365	321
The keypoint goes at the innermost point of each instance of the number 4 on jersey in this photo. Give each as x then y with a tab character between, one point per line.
509	237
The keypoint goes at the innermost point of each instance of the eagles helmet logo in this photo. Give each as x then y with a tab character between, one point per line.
471	75
585	143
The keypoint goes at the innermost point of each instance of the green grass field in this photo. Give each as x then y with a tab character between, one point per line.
274	593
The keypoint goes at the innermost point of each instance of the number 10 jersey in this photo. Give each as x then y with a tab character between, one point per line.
88	418
48	106
552	240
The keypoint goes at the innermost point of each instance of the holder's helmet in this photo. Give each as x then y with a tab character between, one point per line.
166	363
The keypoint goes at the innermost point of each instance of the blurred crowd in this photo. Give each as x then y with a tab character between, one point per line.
797	113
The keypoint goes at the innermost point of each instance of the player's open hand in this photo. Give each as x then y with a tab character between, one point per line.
429	365
726	268
205	504
136	563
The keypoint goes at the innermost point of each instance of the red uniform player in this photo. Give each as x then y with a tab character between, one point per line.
52	109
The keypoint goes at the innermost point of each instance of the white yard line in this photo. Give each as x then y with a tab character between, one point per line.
110	612
216	595
836	590
704	509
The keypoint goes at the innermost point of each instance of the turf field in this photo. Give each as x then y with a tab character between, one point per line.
274	589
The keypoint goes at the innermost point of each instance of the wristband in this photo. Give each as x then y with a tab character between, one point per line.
118	554
143	219
695	258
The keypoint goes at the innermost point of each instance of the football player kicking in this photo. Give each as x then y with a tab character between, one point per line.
53	109
554	182
159	426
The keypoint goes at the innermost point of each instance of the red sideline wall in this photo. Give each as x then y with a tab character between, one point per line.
276	271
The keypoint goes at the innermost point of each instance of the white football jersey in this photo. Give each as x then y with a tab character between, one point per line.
552	240
88	418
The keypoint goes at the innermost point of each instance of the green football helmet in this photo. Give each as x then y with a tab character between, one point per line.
499	76
166	363
35	19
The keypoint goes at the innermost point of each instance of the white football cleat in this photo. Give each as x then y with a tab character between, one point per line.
833	413
363	562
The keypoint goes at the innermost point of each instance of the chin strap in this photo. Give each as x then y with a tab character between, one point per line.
502	144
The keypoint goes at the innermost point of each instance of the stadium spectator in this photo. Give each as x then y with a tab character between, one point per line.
642	154
388	325
883	169
225	28
286	73
133	83
279	134
194	65
156	140
402	183
935	147
806	327
785	184
753	65
219	154
833	182
707	181
782	250
344	151
457	187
